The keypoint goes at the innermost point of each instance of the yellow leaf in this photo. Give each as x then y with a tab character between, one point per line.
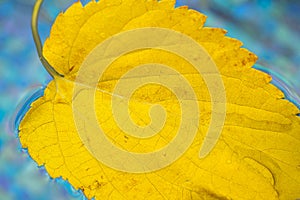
257	155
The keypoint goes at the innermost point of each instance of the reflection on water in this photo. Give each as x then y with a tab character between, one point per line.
283	84
269	28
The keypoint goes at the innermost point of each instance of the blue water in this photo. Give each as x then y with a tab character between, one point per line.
273	34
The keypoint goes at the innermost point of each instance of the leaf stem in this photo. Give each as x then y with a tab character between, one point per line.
37	39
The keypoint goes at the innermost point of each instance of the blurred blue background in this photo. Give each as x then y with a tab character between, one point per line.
271	29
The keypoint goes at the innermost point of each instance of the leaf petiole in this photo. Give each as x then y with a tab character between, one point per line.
37	39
